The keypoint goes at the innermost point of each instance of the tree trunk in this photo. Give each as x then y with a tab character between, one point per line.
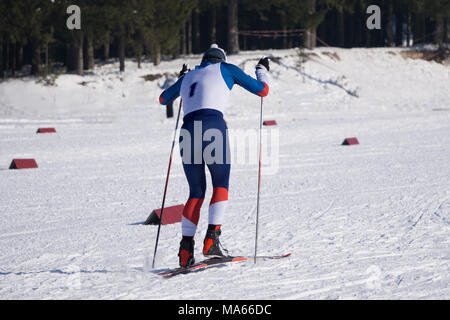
408	30
349	30
196	29
139	59
68	58
419	28
380	38
183	40
79	56
35	55
122	52
47	66
439	31
290	43
89	61
6	56
71	55
357	41
284	28
106	47
233	36
340	29
430	29
19	64
189	35
389	31
176	52
310	36
85	52
399	29
446	31
106	51
157	54
140	47
13	59
368	37
213	28
2	68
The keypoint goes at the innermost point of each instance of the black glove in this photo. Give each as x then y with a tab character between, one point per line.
183	71
263	62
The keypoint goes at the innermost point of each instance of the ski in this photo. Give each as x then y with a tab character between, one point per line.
215	262
270	257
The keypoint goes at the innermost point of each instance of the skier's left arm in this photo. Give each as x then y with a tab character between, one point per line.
259	86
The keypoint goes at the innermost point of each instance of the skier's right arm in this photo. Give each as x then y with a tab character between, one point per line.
171	93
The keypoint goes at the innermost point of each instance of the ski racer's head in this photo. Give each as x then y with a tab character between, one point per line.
214	55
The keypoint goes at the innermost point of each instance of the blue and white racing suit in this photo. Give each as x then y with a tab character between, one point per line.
205	92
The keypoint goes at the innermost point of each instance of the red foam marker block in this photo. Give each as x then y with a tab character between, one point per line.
270	123
171	215
46	130
23	164
350	141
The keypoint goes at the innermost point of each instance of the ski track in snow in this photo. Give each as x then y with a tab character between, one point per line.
362	222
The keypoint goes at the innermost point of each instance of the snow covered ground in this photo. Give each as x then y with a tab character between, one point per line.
365	222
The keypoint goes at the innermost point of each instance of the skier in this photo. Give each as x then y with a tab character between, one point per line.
205	92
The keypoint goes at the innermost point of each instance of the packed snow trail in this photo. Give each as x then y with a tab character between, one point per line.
368	221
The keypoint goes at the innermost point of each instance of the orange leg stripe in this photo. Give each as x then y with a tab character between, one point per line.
191	210
219	194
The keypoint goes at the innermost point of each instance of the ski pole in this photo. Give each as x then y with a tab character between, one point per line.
167	182
259	179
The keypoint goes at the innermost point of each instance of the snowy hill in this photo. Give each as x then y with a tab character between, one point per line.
368	221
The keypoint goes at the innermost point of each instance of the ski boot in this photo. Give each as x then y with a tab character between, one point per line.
211	244
186	252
